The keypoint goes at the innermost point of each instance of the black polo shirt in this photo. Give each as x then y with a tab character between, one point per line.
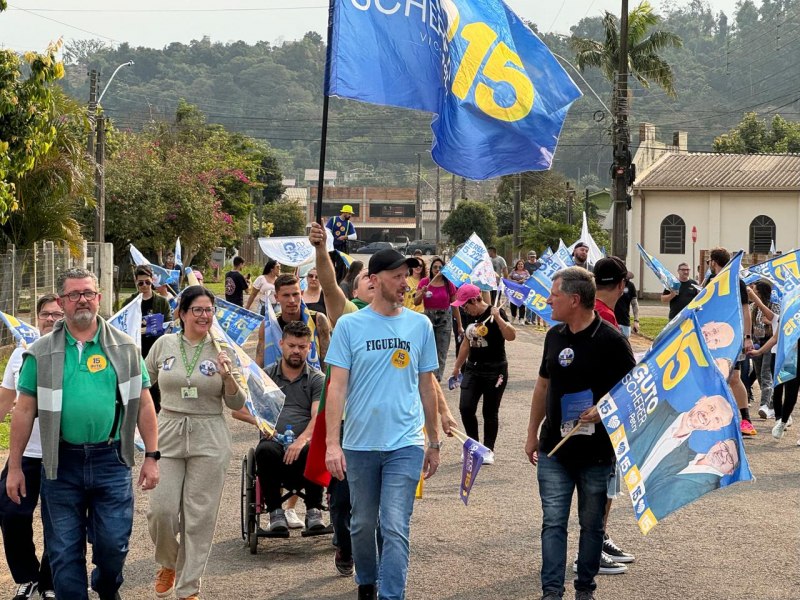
591	361
300	394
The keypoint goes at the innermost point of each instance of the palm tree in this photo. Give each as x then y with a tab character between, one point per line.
644	63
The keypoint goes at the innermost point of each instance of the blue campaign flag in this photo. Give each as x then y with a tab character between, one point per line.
515	292
778	270
532	294
24	334
564	255
547	253
471	264
272	336
474	455
498	95
674	427
236	321
161	276
550	266
667	279
719	311
786	350
178	253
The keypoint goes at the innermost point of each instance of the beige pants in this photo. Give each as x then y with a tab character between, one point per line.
195	452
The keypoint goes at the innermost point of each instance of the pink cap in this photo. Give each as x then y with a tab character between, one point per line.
465	293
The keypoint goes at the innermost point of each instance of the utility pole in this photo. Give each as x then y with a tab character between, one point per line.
463	188
438	207
517	211
570	198
419	198
100	182
452	193
94	75
621	170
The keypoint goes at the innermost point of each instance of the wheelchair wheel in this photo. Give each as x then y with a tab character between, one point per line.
252	519
243	500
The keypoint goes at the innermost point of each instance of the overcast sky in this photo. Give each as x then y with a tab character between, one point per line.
31	24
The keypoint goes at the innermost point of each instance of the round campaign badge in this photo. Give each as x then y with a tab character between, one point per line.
565	357
167	364
96	363
400	359
482	330
208	368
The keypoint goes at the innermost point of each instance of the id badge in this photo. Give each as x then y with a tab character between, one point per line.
189	392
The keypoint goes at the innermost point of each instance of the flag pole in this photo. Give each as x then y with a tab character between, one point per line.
325	103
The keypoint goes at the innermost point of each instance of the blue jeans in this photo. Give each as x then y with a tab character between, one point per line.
383	484
93	495
556	484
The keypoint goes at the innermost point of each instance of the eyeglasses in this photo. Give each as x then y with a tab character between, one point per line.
144	283
436	267
55	315
76	296
199	311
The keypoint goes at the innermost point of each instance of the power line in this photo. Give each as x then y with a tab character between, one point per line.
100	35
169	10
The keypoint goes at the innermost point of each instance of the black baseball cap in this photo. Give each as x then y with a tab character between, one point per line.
580	245
610	270
388	260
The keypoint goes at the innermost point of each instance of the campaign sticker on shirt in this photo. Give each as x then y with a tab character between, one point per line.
400	359
96	363
167	364
566	356
208	368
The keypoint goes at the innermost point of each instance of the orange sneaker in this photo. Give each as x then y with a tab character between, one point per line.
747	428
165	582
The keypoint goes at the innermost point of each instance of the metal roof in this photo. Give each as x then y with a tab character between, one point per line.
723	171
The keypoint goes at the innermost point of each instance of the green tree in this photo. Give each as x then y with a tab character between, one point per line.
470	216
752	136
59	186
534	185
26	107
644	62
285	217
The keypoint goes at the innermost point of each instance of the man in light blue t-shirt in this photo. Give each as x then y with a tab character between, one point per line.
383	360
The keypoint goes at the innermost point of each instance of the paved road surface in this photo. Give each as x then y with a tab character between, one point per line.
737	544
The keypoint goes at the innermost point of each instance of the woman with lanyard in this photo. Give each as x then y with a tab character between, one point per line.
197	382
518	275
264	288
483	357
435	294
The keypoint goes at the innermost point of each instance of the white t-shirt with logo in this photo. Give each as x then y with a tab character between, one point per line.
34	447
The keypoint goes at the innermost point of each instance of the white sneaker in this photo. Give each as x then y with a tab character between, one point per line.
293	520
789	421
489	459
779	430
763	411
771	413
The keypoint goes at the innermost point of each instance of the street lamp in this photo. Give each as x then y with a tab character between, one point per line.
110	79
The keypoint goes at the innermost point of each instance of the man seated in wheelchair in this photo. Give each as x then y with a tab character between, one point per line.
281	465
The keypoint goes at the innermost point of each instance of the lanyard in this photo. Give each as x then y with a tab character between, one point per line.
190	366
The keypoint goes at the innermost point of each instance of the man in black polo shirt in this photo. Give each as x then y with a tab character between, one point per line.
582	360
685	294
279	465
235	283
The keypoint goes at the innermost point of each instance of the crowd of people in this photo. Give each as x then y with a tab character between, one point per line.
380	334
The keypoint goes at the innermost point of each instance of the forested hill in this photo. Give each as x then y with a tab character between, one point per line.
728	65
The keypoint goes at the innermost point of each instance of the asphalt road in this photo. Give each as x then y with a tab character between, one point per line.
739	543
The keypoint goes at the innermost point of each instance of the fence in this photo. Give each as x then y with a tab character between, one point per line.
27	274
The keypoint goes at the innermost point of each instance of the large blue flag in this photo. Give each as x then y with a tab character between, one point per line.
161	276
719	311
667	279
471	264
786	350
778	270
499	95
532	294
550	266
673	424
237	322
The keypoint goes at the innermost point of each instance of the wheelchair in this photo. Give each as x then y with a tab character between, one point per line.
253	506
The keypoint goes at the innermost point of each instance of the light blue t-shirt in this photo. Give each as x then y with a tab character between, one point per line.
385	356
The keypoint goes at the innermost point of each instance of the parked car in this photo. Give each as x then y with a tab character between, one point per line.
425	246
401	243
374	247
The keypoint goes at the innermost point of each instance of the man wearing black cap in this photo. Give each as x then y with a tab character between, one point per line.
609	276
580	255
382	358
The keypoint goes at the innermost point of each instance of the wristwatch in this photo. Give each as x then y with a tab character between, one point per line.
435	445
154	455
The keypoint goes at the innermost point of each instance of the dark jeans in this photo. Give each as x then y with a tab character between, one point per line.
273	474
442	321
339	505
477	383
93	493
556	485
517	310
16	521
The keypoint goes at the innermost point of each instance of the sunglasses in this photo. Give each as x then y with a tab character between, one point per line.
311	277
144	283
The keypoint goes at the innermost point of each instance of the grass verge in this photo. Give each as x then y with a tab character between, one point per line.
650	327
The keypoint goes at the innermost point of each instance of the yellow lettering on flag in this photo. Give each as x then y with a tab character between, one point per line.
675	359
647	521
